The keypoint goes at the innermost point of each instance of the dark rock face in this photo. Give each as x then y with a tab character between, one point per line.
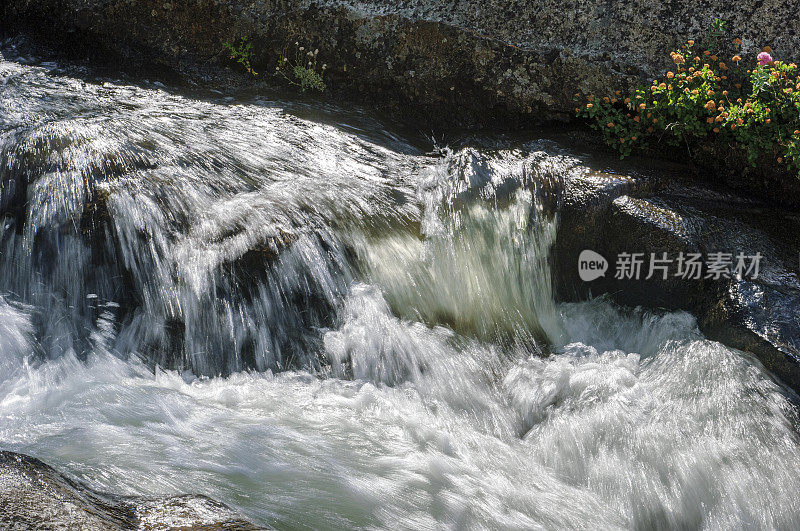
35	496
613	214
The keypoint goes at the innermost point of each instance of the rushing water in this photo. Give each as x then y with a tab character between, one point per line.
322	324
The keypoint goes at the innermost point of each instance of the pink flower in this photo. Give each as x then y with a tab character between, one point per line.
764	59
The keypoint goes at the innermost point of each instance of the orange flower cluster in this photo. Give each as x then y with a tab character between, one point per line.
697	100
678	58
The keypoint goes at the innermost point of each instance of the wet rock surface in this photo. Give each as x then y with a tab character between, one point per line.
35	496
614	213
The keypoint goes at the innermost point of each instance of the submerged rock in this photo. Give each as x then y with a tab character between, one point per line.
34	495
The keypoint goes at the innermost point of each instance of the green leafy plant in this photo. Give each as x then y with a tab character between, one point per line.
303	70
242	53
716	31
755	107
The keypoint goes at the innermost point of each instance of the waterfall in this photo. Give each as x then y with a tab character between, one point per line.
323	323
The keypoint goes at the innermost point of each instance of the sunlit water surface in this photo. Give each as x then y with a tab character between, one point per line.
298	313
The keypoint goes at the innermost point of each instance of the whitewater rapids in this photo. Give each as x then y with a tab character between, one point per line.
323	324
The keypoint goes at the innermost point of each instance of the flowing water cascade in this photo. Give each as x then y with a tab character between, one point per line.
292	310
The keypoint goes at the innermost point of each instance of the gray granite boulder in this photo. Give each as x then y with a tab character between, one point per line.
470	62
35	496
